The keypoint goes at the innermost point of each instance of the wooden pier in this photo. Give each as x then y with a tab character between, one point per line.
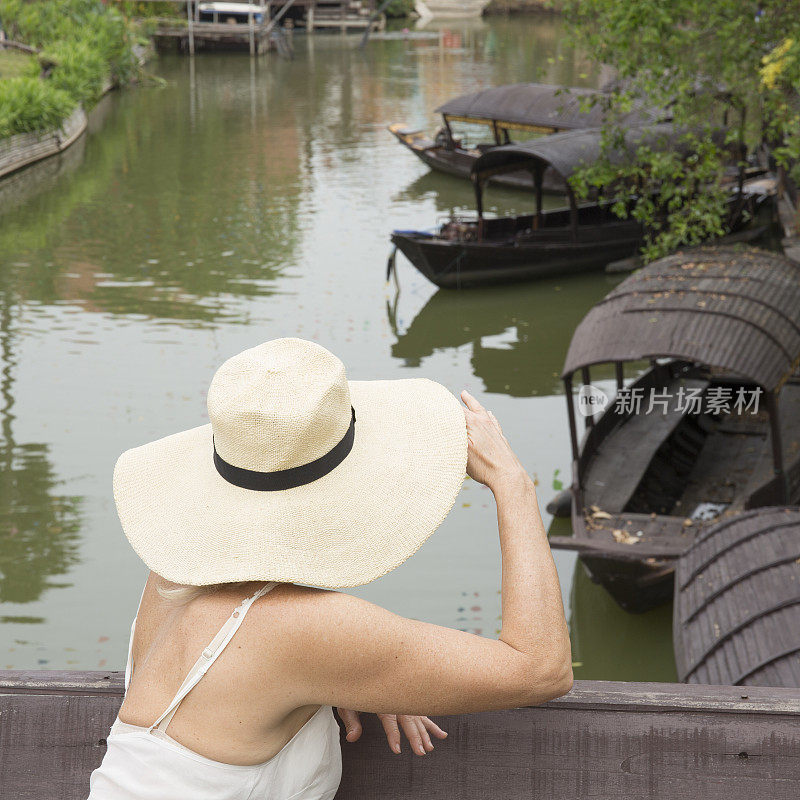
257	32
604	740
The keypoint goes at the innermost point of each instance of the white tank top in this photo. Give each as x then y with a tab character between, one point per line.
147	764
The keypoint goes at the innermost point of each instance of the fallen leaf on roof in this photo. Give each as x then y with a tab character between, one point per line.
623	537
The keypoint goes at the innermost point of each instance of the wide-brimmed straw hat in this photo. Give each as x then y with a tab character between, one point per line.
302	476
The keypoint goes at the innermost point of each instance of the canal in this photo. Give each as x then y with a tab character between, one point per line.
241	201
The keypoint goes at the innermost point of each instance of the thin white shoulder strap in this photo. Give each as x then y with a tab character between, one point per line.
209	656
129	665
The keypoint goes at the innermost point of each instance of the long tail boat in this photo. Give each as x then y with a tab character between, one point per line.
470	251
615	741
508	114
708	430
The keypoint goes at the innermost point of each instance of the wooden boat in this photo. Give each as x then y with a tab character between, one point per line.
449	9
511	113
232	13
713	323
465	252
737	602
607	740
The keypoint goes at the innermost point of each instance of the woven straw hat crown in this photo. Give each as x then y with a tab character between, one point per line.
287	485
280	405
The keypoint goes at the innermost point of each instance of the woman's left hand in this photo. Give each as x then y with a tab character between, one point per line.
418	730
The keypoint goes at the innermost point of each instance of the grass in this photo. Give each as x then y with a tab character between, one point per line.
14	64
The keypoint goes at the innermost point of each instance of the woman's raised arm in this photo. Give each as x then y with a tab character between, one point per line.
357	655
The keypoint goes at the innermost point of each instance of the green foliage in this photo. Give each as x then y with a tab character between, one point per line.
78	70
86	41
708	62
132	8
102	27
29	104
399	8
13	63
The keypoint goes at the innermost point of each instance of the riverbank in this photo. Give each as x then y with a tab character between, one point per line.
61	58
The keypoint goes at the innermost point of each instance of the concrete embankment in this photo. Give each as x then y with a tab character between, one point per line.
21	149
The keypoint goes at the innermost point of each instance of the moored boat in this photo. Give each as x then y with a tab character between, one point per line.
449	9
466	252
707	431
508	114
232	13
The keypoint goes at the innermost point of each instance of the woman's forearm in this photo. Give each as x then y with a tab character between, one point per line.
533	614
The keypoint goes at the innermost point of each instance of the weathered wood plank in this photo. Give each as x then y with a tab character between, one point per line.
603	740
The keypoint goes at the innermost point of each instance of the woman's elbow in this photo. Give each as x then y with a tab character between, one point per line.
546	684
562	681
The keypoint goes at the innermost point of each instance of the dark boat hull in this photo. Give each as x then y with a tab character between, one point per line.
456	265
512	249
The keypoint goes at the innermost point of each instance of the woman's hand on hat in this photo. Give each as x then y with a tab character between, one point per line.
490	459
418	730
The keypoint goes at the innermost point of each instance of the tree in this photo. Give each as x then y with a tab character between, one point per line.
728	72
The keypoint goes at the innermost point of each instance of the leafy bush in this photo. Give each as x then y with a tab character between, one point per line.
399	8
101	27
29	104
86	41
79	70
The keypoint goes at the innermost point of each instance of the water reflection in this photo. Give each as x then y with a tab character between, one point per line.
179	248
517	335
38	527
241	201
610	644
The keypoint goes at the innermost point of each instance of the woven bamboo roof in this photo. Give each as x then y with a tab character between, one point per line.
540	105
735	309
737	602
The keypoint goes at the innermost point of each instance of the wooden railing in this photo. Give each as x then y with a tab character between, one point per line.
605	741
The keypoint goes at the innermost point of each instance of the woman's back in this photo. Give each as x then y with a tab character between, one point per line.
235	731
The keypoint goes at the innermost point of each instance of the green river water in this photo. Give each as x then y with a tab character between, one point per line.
246	200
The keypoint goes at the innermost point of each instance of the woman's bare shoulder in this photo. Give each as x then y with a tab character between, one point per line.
306	605
303	616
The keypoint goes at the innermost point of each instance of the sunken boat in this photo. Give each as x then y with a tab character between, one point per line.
711	428
466	252
604	739
507	114
737	602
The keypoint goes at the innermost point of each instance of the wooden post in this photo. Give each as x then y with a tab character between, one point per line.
573	213
587	381
191	27
310	17
573	427
251	32
538	179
